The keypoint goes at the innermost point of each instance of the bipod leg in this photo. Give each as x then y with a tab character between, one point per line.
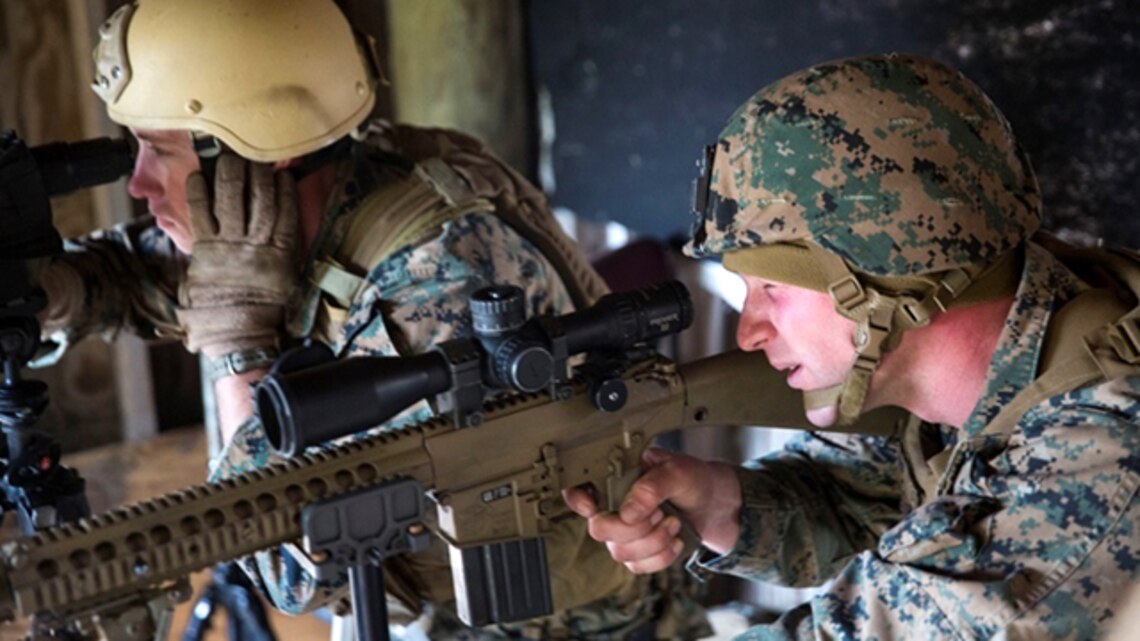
355	532
369	601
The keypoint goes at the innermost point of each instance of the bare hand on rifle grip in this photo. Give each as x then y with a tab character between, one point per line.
646	539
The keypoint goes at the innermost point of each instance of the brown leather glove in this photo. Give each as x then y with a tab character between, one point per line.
241	272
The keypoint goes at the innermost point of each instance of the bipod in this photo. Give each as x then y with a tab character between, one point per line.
355	532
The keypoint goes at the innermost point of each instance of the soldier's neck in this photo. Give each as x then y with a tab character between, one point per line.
313	193
939	372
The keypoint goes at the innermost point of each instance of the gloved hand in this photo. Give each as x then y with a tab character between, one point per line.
241	270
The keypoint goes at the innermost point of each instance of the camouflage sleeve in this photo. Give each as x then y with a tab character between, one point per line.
123	278
1035	537
808	508
415	299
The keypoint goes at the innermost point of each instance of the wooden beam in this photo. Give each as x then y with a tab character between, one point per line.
461	64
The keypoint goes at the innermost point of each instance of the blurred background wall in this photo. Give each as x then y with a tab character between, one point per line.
634	90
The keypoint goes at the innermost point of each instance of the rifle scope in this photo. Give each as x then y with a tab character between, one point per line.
68	166
28	177
308	406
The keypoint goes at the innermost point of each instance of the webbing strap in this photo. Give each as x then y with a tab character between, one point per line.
873	314
334	280
1124	337
401	213
820	398
1067	375
914	312
924	474
883	316
405	212
1078	350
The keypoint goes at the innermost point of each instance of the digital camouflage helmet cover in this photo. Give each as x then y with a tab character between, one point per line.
891	182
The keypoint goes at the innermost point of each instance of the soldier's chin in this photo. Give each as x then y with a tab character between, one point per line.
822	416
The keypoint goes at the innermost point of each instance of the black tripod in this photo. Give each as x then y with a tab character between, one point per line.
41	491
33	484
232	591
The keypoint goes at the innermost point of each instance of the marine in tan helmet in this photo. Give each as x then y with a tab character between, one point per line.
316	223
882	217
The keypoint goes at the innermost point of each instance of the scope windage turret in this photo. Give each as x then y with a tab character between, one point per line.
315	399
526	358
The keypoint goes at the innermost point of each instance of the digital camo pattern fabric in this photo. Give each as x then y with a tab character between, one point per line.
1032	536
898	164
123	278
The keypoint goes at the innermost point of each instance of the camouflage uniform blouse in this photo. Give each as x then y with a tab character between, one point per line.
1032	536
411	300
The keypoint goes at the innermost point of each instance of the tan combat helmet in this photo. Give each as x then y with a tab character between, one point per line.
272	79
891	182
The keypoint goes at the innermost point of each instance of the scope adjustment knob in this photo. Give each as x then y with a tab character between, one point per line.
497	310
531	367
609	394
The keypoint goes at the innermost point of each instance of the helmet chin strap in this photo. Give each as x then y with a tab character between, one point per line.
875	333
209	148
881	319
883	308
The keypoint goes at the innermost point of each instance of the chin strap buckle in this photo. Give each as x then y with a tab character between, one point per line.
848	294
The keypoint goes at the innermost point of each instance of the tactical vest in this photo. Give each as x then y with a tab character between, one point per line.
453	175
1094	337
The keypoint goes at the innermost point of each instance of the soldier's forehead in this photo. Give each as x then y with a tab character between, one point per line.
160	135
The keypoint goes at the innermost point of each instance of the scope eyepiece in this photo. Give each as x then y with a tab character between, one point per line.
620	321
70	166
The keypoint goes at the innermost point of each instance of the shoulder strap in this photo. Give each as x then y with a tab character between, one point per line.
517	202
406	212
1096	336
402	212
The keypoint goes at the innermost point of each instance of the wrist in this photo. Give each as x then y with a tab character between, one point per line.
218	331
723	529
240	361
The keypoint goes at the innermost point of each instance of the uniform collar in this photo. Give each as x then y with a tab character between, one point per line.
1045	286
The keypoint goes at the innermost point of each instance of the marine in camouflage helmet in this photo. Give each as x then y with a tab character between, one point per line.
891	182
